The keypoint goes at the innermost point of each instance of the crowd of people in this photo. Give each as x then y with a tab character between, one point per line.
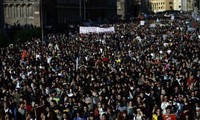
139	72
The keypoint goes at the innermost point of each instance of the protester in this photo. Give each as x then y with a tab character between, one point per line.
139	72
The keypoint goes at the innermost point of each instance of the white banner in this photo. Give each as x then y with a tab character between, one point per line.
172	17
85	30
142	22
153	25
104	30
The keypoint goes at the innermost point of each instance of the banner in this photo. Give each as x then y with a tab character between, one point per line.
105	30
142	22
85	30
153	25
172	17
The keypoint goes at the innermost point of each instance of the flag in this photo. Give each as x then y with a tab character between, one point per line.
24	53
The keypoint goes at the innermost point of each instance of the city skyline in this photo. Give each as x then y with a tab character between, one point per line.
73	11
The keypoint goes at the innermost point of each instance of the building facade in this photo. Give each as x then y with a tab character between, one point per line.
74	11
59	12
68	11
158	5
121	8
128	8
177	5
163	5
196	5
169	4
22	12
187	5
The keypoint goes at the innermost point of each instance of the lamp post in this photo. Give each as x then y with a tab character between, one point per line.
85	9
80	11
41	19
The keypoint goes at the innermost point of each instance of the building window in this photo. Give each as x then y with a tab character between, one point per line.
170	2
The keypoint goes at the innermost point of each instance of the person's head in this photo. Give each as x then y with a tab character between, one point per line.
21	105
168	109
99	104
139	111
165	98
138	99
7	116
53	103
78	114
104	117
85	109
158	111
42	116
64	115
91	115
130	103
28	115
124	114
119	97
48	109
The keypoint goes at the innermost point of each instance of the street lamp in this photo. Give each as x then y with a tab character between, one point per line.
80	12
85	9
41	19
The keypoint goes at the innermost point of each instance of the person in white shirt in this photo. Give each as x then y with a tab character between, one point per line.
164	104
139	115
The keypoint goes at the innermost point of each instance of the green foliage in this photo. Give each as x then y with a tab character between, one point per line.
3	39
27	34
